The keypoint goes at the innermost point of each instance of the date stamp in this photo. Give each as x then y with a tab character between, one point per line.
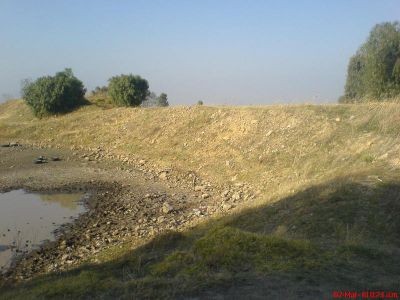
365	295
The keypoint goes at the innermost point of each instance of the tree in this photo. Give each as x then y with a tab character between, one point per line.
163	100
374	71
128	90
54	94
200	102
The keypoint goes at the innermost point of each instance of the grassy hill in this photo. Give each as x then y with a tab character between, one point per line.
326	215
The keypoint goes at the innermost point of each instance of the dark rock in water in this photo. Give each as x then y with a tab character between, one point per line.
40	160
55	158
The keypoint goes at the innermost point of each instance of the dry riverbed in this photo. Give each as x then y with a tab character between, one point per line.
130	202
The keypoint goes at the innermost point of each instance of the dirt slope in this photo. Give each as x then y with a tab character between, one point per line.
314	190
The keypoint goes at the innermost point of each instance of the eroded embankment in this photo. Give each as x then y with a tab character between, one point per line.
274	149
324	175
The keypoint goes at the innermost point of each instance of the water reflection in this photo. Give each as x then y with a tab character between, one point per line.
65	200
27	219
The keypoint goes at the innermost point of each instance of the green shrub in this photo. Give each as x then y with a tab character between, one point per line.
128	90
54	94
152	100
163	100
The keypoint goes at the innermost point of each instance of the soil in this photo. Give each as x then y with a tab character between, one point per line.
128	203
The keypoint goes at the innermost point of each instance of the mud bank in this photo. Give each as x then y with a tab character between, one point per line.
128	204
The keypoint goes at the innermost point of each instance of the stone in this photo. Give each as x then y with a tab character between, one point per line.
197	212
384	156
227	206
225	193
236	196
205	196
167	208
40	160
198	188
163	176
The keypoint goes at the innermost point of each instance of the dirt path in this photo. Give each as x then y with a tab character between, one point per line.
127	205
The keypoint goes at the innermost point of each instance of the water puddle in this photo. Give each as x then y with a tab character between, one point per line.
28	219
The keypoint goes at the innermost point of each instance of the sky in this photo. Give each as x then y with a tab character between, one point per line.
218	51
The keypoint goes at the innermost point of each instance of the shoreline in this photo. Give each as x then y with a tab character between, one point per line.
122	211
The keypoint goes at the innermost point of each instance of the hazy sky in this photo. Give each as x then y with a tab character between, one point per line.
222	52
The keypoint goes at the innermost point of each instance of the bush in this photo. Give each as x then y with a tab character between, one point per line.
163	100
54	94
374	71
200	102
152	100
128	90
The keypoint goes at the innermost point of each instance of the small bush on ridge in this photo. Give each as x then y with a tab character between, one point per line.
128	90
54	94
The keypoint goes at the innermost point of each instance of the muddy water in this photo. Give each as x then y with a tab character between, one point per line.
27	219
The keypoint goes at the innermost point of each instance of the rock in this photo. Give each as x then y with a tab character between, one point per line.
227	206
163	175
142	162
384	156
40	160
63	245
167	208
269	133
197	212
198	188
225	193
65	257
236	196
337	119
14	144
160	219
205	196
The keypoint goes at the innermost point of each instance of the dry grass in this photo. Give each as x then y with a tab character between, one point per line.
273	148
